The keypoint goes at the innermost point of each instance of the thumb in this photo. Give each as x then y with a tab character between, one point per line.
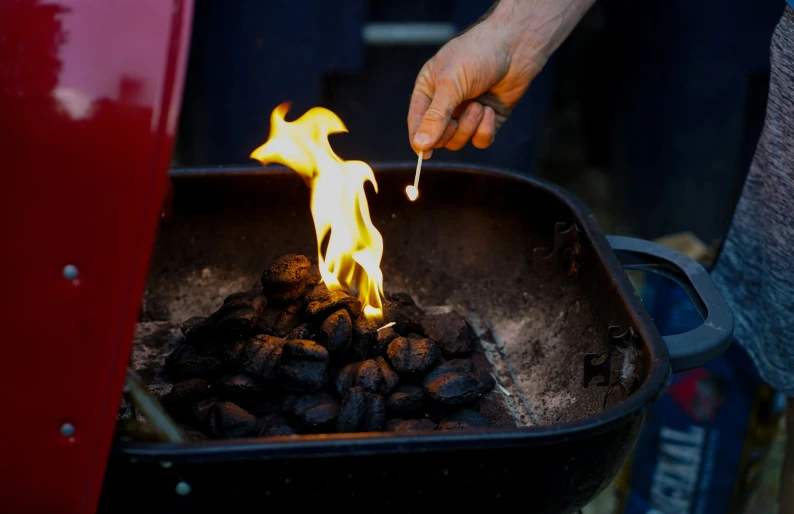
435	120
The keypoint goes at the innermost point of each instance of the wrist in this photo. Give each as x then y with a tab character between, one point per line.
534	29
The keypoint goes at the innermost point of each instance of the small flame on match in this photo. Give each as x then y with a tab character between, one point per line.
412	192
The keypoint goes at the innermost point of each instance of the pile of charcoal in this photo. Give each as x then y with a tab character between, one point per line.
292	357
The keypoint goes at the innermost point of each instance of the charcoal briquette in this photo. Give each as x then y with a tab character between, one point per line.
345	376
318	293
372	375
320	309
393	314
201	410
305	331
405	400
237	319
202	367
228	420
464	419
411	314
280	321
365	337
183	352
303	366
287	270
459	365
412	355
259	355
288	278
451	332
315	409
274	425
337	330
409	425
389	377
384	337
185	394
368	376
191	327
264	407
454	388
361	411
241	388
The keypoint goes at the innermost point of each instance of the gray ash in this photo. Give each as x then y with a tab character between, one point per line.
292	357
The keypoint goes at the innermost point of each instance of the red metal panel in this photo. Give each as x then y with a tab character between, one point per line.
90	93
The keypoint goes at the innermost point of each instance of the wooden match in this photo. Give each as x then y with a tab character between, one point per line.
413	191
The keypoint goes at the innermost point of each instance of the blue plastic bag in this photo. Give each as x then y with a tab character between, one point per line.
702	443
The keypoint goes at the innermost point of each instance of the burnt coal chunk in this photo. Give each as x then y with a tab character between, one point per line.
451	332
237	319
464	419
280	321
287	270
345	377
365	337
183	352
289	278
337	330
202	367
264	407
389	377
393	314
372	375
409	425
273	426
228	420
304	331
384	337
411	314
201	410
314	409
259	355
242	389
304	365
368	376
184	395
361	412
191	328
405	400
459	365
318	293
454	388
336	299
412	355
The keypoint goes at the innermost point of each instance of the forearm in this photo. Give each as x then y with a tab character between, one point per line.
537	27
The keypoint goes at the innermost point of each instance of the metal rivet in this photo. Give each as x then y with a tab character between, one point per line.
183	489
70	272
67	430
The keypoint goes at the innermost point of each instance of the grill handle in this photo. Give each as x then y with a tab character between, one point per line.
703	344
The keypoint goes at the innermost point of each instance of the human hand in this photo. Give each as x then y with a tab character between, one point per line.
469	88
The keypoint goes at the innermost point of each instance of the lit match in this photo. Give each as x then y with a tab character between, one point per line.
413	191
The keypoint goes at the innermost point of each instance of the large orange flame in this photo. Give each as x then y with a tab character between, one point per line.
338	201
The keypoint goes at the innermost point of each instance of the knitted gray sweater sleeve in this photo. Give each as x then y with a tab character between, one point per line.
755	270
